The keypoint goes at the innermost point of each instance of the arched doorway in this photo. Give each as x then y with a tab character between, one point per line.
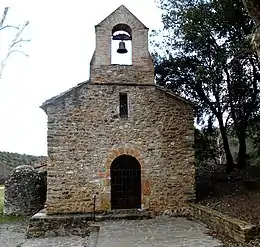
125	172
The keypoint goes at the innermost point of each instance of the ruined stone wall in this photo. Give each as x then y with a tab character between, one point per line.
25	191
85	134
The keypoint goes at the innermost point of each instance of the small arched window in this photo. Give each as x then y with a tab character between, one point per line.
121	33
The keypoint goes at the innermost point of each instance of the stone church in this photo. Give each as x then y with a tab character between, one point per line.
118	136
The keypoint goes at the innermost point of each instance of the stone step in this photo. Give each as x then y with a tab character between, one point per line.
127	214
43	225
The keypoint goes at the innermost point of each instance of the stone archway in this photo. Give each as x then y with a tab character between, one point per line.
125	174
105	197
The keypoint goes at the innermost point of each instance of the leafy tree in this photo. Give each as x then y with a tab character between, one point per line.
253	8
206	148
16	42
210	61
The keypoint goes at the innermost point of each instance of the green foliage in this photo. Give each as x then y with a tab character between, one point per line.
209	60
13	160
1	205
205	147
7	219
1	191
1	199
253	142
8	161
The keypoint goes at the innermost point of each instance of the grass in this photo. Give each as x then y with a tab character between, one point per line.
1	191
6	219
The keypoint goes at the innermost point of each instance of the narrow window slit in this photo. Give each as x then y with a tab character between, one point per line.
123	105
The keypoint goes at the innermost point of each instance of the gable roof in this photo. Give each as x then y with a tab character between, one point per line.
68	92
62	95
121	14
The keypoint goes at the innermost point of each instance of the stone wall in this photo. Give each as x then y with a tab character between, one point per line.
85	134
118	74
25	191
238	230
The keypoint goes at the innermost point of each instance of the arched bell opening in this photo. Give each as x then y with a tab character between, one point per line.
121	45
125	173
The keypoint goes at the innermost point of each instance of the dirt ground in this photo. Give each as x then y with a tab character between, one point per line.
235	198
239	202
245	206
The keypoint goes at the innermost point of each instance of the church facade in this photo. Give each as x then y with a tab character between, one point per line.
118	136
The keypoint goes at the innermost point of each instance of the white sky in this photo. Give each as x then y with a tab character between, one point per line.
62	43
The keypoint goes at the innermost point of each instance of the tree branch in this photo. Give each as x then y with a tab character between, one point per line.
8	27
19	41
3	17
16	40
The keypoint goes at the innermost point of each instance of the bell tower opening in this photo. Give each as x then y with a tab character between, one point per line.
121	45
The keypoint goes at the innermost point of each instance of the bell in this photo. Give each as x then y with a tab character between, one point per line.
122	48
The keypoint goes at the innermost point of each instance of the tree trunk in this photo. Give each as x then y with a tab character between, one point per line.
230	162
256	40
241	133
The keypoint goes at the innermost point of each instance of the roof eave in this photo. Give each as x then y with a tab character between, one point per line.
64	94
175	95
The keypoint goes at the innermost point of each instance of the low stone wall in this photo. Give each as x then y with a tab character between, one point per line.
238	230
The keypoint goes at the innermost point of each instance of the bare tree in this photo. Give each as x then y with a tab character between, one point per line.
17	41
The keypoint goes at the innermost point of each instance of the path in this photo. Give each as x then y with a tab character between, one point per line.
159	232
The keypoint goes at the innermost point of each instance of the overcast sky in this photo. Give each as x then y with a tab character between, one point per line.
62	43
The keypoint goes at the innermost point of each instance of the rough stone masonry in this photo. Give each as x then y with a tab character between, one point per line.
86	132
